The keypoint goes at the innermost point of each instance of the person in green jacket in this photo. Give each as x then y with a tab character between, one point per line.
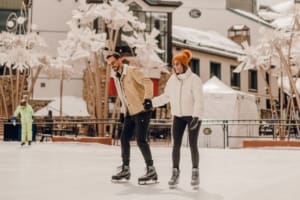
26	114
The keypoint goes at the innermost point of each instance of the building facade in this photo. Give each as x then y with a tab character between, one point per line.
230	19
227	17
219	16
155	14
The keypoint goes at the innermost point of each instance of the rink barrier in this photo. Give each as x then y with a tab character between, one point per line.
72	130
268	132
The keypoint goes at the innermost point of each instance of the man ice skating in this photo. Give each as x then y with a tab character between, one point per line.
26	113
135	91
184	92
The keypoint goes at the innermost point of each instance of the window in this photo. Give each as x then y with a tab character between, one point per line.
4	70
157	20
252	80
4	13
268	104
235	78
268	83
195	65
215	69
1	70
43	84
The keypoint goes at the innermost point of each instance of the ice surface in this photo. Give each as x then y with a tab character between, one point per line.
77	171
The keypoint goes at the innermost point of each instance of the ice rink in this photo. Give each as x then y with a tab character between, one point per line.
73	171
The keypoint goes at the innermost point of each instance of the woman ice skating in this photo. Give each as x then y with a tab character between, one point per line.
184	92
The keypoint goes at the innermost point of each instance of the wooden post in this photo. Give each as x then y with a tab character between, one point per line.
290	77
61	92
12	89
33	81
3	99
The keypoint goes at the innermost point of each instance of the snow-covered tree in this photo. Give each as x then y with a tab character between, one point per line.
87	48
280	48
22	56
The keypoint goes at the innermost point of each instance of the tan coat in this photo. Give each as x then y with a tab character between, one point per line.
136	87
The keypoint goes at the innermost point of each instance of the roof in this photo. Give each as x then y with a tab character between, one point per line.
284	7
149	2
72	106
250	16
163	3
206	41
215	85
280	14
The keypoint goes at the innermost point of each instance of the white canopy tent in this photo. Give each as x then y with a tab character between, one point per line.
72	106
224	103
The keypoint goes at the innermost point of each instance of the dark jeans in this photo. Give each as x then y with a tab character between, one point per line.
179	125
138	123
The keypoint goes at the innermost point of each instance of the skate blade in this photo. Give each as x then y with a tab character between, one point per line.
120	181
173	186
195	187
150	182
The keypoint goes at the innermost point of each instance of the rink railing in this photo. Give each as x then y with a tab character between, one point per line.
269	129
225	129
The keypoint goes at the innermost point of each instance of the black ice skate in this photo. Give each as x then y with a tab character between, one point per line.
22	144
149	178
174	179
123	174
195	178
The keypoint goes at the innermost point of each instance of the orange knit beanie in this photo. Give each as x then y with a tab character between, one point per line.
183	57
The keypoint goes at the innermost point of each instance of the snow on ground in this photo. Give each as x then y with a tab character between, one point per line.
74	171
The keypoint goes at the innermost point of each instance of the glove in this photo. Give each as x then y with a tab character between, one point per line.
194	123
147	104
122	118
14	121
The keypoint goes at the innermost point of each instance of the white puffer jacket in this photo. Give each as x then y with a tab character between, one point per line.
185	94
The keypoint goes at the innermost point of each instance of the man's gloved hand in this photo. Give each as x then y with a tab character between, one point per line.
147	104
122	118
194	123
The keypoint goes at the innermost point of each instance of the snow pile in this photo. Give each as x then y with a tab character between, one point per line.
279	14
251	16
284	7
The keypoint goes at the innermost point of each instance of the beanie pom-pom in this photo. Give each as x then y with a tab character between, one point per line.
188	53
183	57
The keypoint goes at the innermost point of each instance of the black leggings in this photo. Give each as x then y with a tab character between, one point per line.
179	125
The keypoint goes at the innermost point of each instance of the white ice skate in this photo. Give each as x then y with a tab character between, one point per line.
195	178
173	182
